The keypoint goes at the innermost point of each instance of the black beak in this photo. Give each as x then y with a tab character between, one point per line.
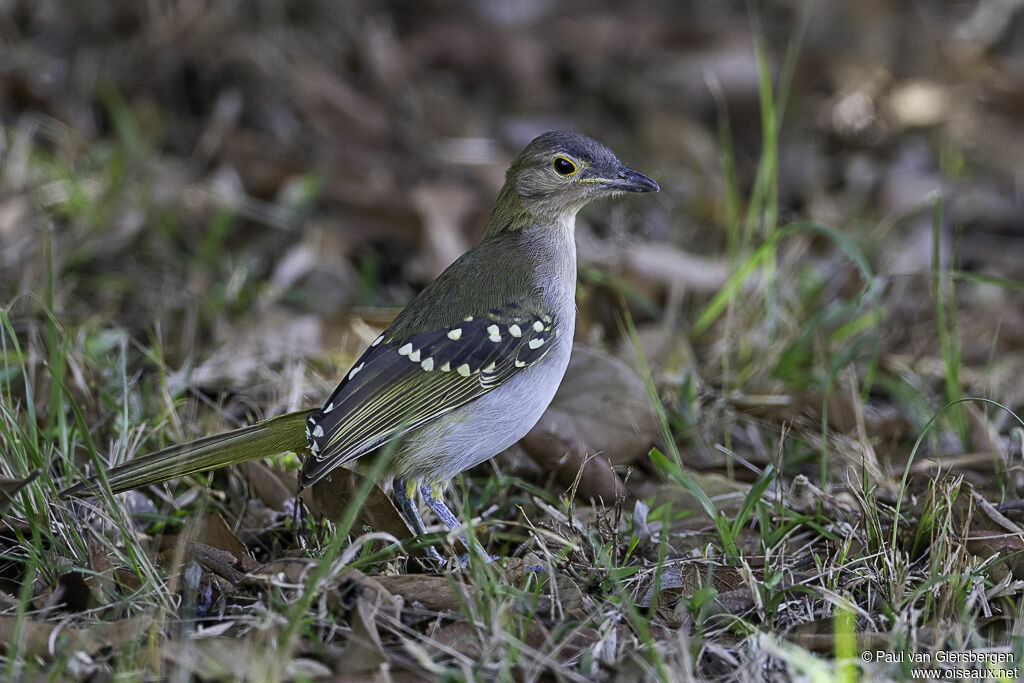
629	180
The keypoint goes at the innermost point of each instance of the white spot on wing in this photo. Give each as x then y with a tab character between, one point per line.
378	340
415	356
329	408
536	343
494	332
405	350
464	370
318	432
489	368
520	364
352	374
428	364
455	334
538	326
468	318
447	367
515	331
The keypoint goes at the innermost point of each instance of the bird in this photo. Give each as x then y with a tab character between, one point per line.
465	370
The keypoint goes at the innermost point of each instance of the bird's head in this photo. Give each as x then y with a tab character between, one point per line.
560	172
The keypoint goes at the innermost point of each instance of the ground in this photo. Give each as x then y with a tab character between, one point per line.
788	446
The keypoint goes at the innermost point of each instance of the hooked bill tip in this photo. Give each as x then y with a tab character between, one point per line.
629	180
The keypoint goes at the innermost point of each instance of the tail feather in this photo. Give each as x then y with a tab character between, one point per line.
276	435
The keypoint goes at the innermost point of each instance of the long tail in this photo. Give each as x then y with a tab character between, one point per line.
276	435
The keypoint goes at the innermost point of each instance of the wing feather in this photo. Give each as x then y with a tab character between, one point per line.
400	384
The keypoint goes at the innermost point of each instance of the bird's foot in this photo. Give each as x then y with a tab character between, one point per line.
464	558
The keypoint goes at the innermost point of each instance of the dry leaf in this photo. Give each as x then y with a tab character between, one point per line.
215	532
435	593
331	496
266	485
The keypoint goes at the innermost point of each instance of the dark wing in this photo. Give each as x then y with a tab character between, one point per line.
399	384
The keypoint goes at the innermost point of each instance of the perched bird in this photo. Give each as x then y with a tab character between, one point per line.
467	368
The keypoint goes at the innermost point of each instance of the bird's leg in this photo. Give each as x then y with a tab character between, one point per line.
297	517
402	493
436	504
447	518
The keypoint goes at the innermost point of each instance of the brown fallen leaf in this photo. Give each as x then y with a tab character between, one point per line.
733	591
213	531
435	593
266	485
128	579
330	497
575	603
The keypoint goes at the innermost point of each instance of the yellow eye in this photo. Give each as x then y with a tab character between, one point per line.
563	166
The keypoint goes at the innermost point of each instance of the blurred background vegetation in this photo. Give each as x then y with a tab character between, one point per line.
276	164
